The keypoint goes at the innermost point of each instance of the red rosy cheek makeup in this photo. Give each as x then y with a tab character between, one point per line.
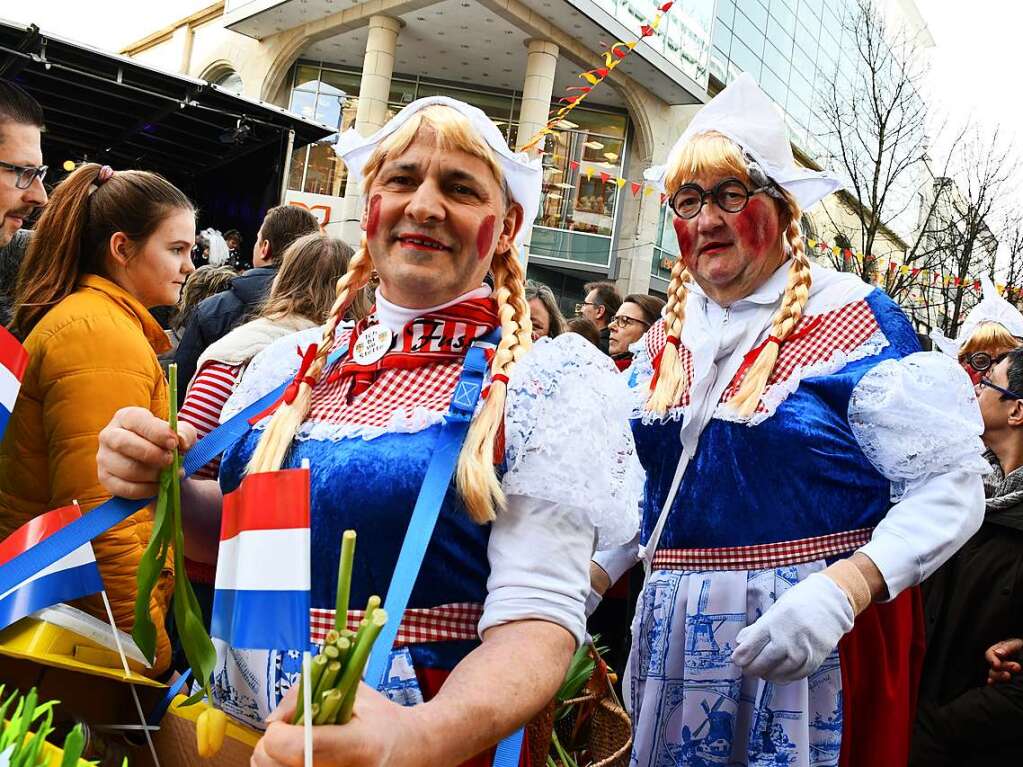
756	227
373	220
485	237
685	241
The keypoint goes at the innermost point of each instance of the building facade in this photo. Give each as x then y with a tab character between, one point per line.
347	63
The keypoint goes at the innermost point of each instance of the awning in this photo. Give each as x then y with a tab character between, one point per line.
111	109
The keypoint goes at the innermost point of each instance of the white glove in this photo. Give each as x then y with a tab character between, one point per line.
793	637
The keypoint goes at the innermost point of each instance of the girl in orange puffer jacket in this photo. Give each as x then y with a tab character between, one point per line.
108	246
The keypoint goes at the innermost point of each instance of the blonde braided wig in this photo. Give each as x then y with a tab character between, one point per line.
476	479
713	154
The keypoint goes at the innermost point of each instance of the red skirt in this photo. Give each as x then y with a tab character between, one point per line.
882	658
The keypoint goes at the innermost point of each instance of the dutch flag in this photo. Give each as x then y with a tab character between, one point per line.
71	577
13	361
262	585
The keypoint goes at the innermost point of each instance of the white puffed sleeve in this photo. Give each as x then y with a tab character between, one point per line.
918	422
568	439
276	364
572	478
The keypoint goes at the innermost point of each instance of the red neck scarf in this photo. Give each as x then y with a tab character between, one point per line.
438	337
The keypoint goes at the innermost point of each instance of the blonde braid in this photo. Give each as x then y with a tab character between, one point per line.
277	437
797	291
671	373
477	482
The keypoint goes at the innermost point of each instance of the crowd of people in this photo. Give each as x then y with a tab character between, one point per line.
799	536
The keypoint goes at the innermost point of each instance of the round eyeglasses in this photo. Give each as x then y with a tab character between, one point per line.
983	361
730	195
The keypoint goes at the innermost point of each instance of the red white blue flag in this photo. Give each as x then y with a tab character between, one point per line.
71	577
261	598
13	361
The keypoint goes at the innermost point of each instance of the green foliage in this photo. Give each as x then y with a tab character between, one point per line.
167	529
19	744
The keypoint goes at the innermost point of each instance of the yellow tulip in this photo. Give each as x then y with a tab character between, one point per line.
209	731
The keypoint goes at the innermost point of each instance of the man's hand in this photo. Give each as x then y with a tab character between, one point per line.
1001	669
134	447
380	733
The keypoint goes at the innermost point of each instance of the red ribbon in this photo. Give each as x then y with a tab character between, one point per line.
300	377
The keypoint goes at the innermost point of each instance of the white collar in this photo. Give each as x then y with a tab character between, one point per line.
768	293
395	317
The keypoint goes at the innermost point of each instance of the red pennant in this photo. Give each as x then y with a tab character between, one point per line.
601	72
573	165
977	287
619	52
646	30
666	7
914	271
605	177
635	188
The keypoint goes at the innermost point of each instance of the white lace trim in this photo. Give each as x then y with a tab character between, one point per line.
276	364
402	422
568	439
777	393
638	376
918	417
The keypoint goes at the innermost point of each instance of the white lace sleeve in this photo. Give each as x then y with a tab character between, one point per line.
568	439
277	363
918	417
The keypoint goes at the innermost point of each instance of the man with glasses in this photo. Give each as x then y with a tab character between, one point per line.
600	305
21	181
636	314
976	599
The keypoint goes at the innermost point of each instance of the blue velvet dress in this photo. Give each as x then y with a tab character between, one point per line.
797	469
367	458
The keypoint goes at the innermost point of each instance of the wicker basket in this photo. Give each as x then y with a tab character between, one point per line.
608	733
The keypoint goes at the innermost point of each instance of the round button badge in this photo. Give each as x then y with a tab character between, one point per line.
373	344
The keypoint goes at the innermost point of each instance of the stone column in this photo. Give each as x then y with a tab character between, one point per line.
374	89
537	90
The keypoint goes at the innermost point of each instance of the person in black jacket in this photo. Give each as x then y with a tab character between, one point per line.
220	314
976	599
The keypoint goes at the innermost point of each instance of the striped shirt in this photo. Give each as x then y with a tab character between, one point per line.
204	402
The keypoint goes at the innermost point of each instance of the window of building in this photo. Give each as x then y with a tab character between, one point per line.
665	246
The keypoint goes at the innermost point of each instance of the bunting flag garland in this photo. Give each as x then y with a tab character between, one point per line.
575	95
886	266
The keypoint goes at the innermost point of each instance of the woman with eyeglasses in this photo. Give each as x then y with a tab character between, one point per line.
806	468
993	328
633	318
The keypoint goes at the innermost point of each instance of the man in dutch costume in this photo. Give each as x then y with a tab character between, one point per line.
498	605
807	467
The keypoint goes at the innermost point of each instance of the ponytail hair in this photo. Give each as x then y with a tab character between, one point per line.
72	237
476	478
714	154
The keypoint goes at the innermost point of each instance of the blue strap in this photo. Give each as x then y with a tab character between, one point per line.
508	750
156	715
424	519
106	515
428	504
